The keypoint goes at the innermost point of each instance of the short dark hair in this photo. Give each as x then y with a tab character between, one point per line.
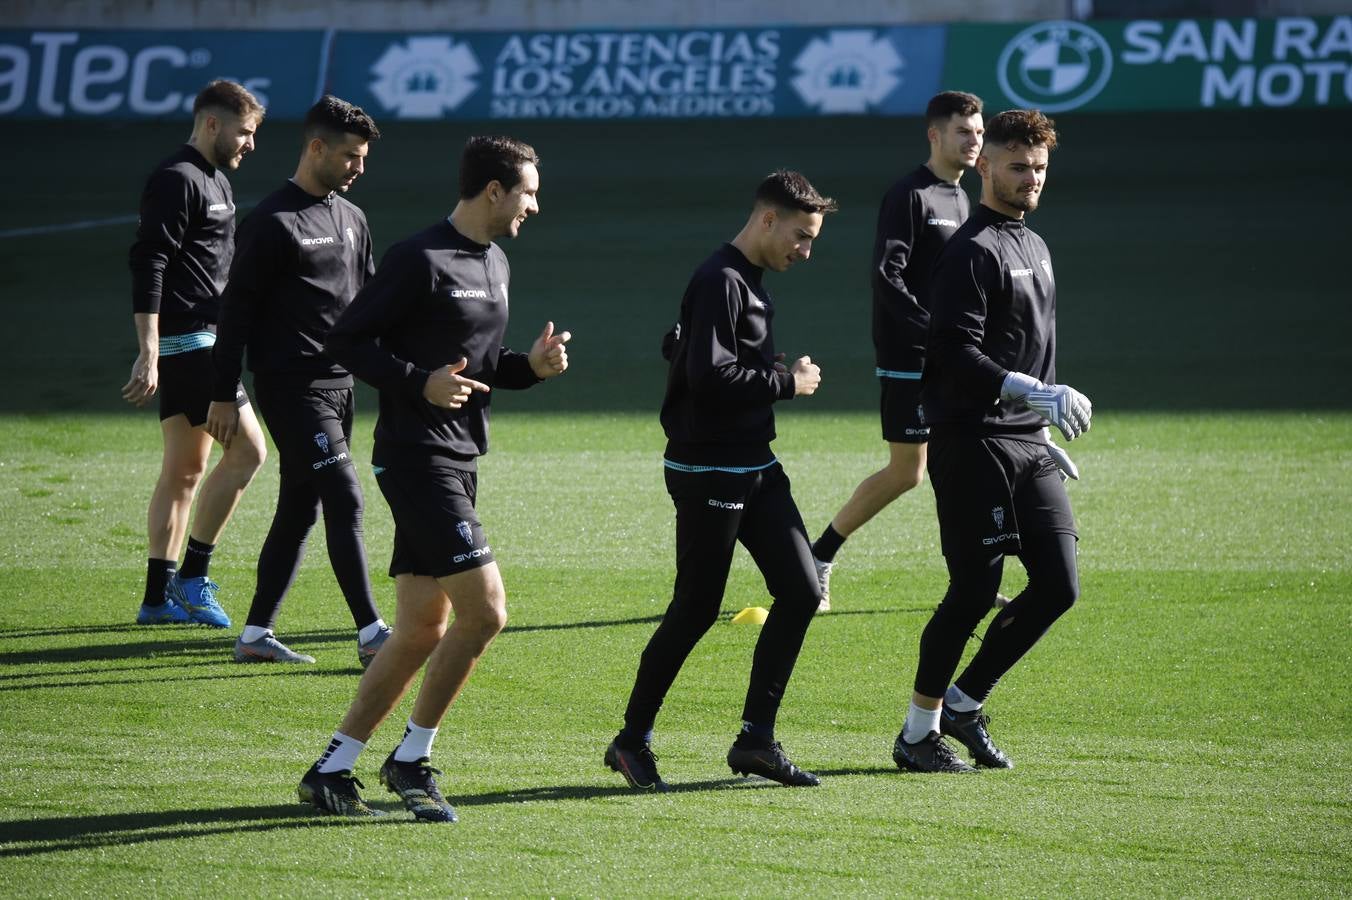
1021	126
331	118
230	96
493	158
951	103
786	189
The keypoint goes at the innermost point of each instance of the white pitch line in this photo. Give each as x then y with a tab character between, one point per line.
66	226
83	224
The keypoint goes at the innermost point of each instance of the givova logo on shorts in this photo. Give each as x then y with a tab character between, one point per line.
1055	66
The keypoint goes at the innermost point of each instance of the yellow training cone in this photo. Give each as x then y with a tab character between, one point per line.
752	615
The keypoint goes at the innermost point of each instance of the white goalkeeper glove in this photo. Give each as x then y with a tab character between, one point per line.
1060	404
1060	457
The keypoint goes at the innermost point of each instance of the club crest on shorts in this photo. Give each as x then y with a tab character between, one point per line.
998	515
462	529
322	442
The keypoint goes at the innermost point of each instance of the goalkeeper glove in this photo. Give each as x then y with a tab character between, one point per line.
1061	458
1060	404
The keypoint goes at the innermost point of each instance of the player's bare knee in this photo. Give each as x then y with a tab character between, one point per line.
246	457
421	637
180	479
481	626
903	478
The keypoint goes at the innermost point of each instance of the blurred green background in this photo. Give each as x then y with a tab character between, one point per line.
1197	255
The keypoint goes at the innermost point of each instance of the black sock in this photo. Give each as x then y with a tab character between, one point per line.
828	544
197	560
633	740
756	736
158	573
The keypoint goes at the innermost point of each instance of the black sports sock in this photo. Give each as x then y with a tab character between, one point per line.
196	560
828	544
633	740
158	573
756	736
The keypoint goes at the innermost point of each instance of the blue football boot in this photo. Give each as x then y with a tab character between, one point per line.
198	597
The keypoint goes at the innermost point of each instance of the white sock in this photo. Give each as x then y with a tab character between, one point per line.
370	631
919	723
341	755
416	745
253	633
957	701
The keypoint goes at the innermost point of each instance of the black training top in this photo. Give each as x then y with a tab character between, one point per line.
184	243
917	217
993	312
723	383
299	260
436	297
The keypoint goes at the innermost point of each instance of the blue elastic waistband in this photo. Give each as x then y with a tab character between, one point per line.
901	376
186	343
735	470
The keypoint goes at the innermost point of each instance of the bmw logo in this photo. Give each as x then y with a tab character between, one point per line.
1055	66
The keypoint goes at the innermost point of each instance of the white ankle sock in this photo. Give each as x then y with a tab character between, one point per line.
341	755
919	723
253	633
416	745
370	631
956	700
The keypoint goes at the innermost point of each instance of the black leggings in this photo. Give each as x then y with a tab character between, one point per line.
299	500
715	510
312	429
1053	585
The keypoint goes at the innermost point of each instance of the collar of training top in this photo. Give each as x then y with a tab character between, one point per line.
469	244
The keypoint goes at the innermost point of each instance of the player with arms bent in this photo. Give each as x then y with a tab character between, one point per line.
989	391
427	332
727	486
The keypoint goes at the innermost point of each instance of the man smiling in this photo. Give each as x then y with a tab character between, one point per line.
427	332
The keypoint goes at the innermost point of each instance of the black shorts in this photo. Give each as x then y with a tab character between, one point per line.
312	427
991	492
436	531
185	386
903	421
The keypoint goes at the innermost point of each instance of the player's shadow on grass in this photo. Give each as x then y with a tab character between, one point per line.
58	834
174	646
37	837
18	633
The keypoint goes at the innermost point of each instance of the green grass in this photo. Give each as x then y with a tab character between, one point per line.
1183	731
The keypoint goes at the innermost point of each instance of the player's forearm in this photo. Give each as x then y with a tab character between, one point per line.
147	333
514	371
368	361
962	361
736	385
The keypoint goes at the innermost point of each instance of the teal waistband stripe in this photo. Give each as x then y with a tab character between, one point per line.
185	343
735	470
902	376
376	470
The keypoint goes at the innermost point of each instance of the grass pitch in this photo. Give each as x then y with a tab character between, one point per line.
1182	731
